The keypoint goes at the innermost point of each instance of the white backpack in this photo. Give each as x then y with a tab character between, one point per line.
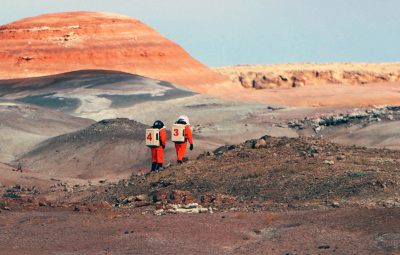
178	133
152	137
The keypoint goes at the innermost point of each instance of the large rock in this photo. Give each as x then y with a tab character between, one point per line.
62	42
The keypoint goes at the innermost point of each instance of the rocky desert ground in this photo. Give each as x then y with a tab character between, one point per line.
288	159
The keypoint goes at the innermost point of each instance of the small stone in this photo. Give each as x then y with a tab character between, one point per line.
184	210
335	204
257	231
324	246
340	157
260	143
390	117
129	199
204	210
329	162
219	153
243	154
141	197
159	212
41	203
391	203
318	129
141	203
250	144
68	189
191	206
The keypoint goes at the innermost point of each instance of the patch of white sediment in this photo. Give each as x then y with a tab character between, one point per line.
7	104
92	104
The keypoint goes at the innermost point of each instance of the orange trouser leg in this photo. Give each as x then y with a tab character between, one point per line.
157	155
180	150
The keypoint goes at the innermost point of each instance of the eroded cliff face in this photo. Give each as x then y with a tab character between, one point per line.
299	75
62	42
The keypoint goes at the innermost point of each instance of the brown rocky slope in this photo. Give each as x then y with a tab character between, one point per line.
62	42
264	196
273	174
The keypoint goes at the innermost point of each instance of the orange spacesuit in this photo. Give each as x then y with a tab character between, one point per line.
181	147
157	153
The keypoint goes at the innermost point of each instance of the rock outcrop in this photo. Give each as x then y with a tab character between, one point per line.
63	42
299	75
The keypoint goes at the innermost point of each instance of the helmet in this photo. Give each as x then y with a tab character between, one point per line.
158	124
183	119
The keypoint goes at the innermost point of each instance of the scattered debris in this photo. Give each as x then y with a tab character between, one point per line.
366	117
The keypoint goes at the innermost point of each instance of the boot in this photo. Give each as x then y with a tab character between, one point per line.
159	166
153	166
180	162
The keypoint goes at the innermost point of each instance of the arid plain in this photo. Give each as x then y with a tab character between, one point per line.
288	159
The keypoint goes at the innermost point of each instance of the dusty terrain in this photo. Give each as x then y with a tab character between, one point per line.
333	231
63	42
281	196
274	173
22	126
106	149
271	195
78	91
99	94
376	127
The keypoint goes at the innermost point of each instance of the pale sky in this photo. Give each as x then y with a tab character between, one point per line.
231	32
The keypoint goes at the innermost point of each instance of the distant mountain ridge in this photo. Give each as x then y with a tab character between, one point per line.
299	75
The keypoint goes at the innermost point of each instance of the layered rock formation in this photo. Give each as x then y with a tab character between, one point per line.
299	75
62	42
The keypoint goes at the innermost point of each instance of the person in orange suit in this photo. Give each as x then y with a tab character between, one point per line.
157	153
181	147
